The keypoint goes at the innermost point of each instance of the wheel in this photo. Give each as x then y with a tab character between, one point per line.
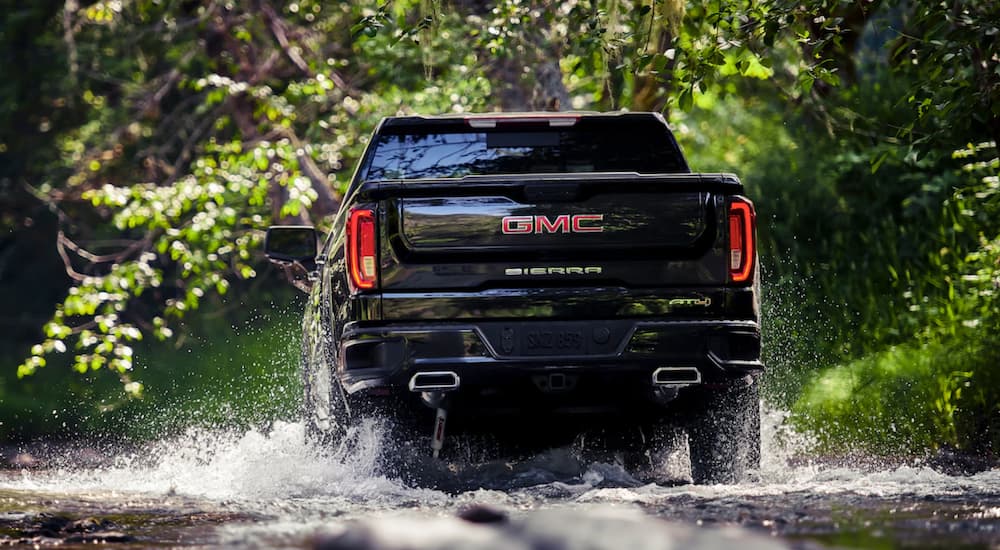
724	436
324	411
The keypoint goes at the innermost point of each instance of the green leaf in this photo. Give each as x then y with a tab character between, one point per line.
878	162
686	99
806	83
754	69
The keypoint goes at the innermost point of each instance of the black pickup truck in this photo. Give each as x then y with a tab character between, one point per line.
538	275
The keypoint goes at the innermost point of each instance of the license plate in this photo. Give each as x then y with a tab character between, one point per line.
553	342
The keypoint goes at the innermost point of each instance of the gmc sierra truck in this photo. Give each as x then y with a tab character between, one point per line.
537	275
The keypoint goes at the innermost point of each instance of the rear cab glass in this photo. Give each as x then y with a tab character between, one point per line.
405	151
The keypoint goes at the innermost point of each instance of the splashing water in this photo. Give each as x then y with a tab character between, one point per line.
258	466
230	466
290	490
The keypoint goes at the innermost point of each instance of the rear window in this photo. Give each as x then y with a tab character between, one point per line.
474	152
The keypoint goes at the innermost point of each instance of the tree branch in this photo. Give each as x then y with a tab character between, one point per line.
277	26
133	247
69	9
67	263
189	144
328	200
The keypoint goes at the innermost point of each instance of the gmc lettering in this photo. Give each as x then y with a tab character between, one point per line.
563	223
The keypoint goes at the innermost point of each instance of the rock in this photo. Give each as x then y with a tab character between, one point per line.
87	525
557	529
99	537
483	514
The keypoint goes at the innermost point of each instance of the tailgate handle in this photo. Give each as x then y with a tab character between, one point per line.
560	192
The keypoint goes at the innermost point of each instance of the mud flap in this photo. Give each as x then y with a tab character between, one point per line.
437	438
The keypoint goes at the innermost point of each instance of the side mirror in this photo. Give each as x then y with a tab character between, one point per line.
291	243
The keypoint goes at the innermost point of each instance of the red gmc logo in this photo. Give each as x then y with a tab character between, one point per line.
565	223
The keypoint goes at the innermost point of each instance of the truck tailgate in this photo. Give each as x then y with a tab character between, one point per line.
557	230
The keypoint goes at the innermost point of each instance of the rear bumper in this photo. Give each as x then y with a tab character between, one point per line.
612	354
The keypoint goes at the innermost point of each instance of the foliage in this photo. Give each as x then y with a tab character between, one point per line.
952	54
939	386
194	208
233	369
876	239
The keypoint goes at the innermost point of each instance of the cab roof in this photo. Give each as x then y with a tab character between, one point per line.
550	118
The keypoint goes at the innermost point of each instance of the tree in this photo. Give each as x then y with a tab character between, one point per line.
178	105
170	133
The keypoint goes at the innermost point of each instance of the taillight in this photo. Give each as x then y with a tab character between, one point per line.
361	250
741	240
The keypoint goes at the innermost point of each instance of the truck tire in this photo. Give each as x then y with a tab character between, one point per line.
324	413
724	436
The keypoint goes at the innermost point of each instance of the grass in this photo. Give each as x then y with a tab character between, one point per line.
906	399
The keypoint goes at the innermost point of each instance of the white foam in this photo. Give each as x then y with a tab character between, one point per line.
253	466
299	492
276	473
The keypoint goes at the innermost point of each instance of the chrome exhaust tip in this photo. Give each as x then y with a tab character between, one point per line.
676	376
434	381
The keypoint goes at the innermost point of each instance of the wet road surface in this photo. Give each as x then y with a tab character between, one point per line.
268	489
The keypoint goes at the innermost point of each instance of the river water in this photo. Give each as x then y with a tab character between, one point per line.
266	488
